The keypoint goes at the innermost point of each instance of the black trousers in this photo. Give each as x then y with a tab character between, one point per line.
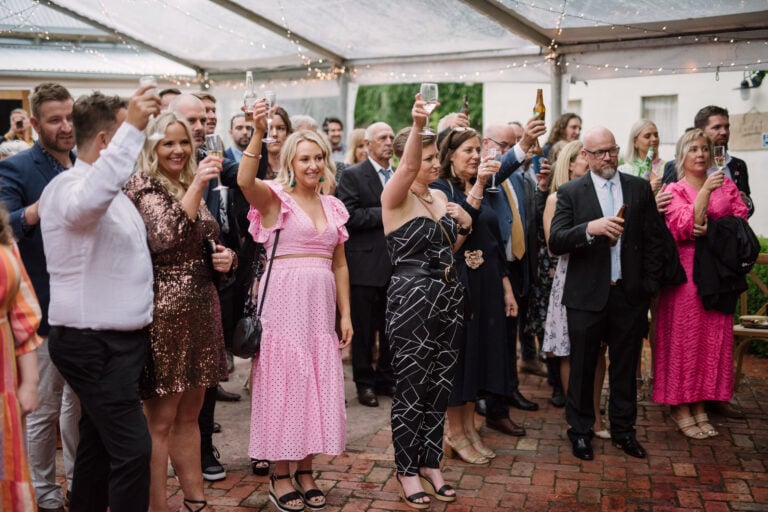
112	463
621	326
368	308
424	325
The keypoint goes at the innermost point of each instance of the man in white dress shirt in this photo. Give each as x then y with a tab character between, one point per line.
101	299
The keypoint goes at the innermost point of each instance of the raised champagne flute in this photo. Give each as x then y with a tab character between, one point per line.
719	154
429	96
215	147
493	154
151	80
271	97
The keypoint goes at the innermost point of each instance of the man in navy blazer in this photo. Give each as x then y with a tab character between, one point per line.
614	267
360	189
22	180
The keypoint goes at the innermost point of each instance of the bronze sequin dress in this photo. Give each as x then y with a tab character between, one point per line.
187	343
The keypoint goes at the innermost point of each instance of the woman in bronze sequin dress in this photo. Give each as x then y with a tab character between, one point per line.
187	346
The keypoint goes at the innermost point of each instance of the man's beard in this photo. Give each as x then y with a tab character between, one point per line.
606	173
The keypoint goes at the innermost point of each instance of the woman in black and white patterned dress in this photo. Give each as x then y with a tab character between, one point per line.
424	311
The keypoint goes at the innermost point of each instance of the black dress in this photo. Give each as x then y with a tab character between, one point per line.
424	322
484	358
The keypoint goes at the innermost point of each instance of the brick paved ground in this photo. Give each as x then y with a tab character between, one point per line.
538	472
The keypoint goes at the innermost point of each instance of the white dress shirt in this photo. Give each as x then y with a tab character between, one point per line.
96	243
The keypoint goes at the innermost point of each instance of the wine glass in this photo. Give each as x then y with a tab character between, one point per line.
271	97
429	96
719	154
493	154
151	80
215	147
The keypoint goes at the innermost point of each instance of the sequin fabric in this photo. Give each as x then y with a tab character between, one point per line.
187	343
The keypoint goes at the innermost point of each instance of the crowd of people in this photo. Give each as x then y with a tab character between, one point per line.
130	248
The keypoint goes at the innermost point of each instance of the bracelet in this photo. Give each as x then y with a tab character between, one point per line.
464	230
475	197
248	153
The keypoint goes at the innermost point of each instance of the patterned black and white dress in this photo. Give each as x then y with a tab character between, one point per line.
424	328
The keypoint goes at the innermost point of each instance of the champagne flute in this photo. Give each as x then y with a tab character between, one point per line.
429	96
719	154
215	147
271	97
493	154
151	80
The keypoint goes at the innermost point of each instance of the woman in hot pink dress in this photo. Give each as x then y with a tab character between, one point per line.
298	382
693	355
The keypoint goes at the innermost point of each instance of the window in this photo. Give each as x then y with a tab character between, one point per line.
574	106
662	110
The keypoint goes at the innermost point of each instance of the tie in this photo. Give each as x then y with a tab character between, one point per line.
611	210
386	173
518	235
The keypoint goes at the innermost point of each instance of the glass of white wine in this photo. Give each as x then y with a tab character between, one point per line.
429	96
215	147
719	154
151	80
271	98
493	154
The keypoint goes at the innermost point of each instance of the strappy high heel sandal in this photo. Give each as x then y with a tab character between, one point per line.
441	493
310	494
687	426
702	421
260	467
282	503
486	452
411	500
461	447
202	504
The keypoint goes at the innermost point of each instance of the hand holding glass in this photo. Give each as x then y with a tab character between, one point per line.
429	96
215	147
151	80
493	154
271	98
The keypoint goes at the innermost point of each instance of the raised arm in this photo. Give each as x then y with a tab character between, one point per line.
254	189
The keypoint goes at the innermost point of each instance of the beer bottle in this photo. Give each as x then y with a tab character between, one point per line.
539	110
465	106
249	96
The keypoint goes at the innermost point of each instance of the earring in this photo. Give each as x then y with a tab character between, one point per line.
321	180
453	172
293	179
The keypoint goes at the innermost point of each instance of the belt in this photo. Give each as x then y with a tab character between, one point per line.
616	283
447	273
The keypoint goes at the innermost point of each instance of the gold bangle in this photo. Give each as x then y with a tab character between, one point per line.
247	153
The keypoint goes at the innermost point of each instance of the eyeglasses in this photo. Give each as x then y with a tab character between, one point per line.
503	145
600	153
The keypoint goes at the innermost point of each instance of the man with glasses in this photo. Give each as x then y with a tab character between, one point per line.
612	273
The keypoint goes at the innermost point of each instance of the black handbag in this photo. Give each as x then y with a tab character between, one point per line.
246	340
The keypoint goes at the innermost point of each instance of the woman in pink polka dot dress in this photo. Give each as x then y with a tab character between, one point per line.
298	382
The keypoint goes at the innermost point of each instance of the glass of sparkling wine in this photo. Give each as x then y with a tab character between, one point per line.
719	154
215	147
493	154
271	98
429	96
151	80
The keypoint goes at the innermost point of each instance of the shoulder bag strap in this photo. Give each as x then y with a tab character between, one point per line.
269	271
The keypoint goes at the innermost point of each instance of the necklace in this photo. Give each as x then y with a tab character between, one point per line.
428	198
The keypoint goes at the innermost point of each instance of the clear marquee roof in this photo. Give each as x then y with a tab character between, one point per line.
370	41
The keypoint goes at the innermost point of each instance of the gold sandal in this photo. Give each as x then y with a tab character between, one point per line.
486	452
461	449
702	421
687	426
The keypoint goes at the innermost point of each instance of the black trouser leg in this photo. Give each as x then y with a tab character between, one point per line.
205	419
112	465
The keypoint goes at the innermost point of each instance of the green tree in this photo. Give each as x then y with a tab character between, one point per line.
392	103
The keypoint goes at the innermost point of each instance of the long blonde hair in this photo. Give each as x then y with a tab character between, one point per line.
285	176
148	163
6	233
565	158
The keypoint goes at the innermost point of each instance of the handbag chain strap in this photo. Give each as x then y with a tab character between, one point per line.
269	271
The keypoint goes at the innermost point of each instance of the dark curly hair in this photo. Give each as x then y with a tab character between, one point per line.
558	130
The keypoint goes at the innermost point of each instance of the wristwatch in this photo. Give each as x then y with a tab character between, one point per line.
464	231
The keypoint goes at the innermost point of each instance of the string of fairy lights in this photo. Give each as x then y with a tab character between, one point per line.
317	69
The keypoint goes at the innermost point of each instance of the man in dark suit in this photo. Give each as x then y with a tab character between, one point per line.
360	189
614	268
240	133
22	180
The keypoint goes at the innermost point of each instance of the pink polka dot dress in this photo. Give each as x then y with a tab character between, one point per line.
298	382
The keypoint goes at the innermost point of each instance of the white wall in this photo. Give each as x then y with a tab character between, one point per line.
616	103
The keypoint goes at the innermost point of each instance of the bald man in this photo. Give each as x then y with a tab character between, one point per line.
612	273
